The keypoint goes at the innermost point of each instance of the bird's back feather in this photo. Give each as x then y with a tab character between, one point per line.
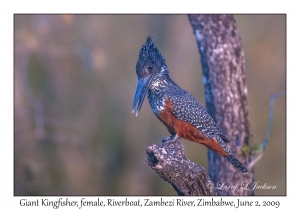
188	109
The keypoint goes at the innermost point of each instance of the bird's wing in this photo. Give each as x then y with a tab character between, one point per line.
185	107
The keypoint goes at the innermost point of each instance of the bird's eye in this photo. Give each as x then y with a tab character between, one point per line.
150	67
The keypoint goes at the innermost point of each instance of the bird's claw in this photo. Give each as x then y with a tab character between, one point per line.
165	139
169	139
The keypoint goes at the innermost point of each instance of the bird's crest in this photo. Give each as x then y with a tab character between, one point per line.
150	53
147	48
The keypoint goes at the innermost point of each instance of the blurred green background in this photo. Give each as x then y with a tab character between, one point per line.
74	82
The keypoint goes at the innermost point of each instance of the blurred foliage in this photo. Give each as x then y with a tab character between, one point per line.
74	85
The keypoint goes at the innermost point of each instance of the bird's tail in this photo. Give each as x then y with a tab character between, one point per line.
237	164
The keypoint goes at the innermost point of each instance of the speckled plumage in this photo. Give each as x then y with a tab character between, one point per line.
185	107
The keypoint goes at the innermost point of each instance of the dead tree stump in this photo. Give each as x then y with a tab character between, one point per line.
170	163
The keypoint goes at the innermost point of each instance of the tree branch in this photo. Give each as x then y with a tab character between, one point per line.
186	177
270	118
261	148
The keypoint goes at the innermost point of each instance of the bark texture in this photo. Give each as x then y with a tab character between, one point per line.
223	66
187	178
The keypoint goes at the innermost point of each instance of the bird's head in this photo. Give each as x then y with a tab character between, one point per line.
150	64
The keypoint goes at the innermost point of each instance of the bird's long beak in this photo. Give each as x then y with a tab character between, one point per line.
140	93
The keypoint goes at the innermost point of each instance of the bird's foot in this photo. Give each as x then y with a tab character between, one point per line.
169	139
